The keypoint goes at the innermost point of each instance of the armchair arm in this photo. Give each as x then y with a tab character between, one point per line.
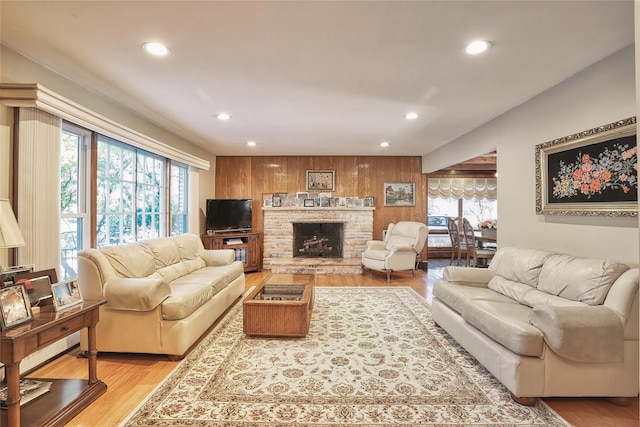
375	245
581	333
468	276
135	294
217	257
402	248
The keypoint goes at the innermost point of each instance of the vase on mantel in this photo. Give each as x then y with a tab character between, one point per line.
489	232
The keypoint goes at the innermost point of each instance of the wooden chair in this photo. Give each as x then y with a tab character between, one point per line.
473	253
457	245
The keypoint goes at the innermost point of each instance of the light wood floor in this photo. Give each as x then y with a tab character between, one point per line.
131	377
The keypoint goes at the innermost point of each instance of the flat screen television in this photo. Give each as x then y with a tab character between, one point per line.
228	215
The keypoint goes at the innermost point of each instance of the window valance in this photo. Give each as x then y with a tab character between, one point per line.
463	188
37	96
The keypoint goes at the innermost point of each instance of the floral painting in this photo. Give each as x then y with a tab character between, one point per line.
591	173
604	171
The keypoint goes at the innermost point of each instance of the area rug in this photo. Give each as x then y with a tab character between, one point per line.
373	357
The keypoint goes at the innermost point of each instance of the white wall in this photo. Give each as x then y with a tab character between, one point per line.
601	94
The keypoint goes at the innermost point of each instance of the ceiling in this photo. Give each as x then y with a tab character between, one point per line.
317	78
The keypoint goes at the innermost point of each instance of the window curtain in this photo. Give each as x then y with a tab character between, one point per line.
463	188
38	193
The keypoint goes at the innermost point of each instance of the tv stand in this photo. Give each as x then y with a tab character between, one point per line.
246	244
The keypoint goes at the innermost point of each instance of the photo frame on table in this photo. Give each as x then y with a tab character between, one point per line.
66	294
590	173
8	274
38	284
399	194
321	180
15	308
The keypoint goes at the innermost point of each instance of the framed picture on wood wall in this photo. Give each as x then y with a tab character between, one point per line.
590	173
321	180
399	193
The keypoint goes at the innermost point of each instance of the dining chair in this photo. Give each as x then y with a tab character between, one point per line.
473	252
457	245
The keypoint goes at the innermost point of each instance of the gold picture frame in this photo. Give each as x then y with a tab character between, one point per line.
590	173
321	180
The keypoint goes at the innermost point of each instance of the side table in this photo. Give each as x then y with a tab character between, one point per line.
67	397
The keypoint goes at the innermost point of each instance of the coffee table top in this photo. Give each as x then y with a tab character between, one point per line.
283	287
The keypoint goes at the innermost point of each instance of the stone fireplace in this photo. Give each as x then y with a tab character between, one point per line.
318	239
278	246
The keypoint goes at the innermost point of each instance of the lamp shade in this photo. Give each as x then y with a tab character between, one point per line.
10	235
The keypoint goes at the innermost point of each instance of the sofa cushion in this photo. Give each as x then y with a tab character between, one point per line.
131	260
509	288
189	245
519	264
506	323
186	297
579	279
534	298
377	254
456	296
174	271
164	250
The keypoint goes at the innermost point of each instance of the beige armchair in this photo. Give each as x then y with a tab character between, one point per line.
399	251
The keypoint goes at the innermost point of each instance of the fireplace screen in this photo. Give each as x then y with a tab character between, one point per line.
318	239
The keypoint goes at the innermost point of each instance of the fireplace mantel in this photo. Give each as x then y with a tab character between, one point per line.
278	229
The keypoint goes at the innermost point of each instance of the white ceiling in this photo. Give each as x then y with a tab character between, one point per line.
318	78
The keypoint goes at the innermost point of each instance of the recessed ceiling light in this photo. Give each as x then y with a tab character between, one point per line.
223	116
411	116
477	47
156	49
251	143
384	144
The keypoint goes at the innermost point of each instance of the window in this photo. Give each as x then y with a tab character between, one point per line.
73	201
131	201
178	202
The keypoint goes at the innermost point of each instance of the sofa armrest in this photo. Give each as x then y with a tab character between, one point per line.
375	245
469	276
217	257
135	294
582	334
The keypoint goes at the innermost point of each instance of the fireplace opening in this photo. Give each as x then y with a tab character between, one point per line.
318	239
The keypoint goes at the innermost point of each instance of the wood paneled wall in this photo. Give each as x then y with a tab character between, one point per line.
356	176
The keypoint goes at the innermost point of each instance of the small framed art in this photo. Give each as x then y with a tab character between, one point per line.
321	180
15	308
66	294
309	203
399	193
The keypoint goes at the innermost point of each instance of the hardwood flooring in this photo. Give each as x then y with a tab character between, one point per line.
131	377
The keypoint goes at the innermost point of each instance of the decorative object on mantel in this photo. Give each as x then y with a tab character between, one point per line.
10	235
399	193
321	180
591	173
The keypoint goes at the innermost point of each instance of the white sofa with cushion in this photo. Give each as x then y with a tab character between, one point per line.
546	324
162	294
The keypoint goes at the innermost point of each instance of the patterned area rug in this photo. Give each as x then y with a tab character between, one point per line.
373	357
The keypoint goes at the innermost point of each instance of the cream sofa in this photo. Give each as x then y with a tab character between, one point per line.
162	294
546	324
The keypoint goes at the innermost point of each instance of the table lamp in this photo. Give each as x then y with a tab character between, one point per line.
10	235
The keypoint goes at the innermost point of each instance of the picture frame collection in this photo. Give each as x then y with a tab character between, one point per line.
23	291
320	184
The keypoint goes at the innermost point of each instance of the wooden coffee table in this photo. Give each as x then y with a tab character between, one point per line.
280	306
